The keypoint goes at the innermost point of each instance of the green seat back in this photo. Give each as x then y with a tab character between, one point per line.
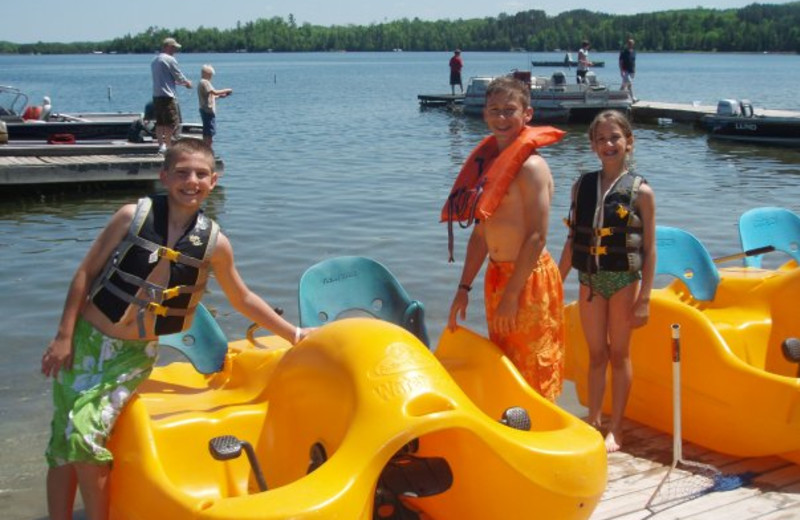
682	255
204	343
769	226
337	287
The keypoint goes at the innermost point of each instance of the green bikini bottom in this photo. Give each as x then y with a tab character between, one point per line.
608	283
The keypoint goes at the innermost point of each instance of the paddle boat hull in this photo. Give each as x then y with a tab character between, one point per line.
739	395
358	397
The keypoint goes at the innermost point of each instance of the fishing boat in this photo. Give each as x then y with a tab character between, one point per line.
26	122
360	420
554	99
564	63
739	355
737	121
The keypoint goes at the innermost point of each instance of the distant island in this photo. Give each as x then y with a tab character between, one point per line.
754	28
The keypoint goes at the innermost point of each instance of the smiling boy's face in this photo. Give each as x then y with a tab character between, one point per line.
190	179
506	116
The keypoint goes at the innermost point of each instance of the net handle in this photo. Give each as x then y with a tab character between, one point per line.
677	445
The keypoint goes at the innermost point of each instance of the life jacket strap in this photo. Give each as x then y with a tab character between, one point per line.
605	231
604	250
160	251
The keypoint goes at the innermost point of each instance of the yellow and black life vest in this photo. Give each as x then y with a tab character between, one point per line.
125	274
606	229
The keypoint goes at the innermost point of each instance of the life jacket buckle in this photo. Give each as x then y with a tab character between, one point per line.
169	254
172	292
157	309
603	232
598	250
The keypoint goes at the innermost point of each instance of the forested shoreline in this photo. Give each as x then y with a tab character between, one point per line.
754	28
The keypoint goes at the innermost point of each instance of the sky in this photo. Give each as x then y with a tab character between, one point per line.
30	21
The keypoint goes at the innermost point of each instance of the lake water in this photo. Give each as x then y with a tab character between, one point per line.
328	155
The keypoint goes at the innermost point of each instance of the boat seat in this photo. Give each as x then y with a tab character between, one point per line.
204	343
355	285
769	226
682	255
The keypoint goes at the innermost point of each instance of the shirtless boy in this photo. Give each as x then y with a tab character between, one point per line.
522	287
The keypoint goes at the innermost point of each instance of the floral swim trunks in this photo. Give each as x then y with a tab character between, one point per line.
89	397
536	346
608	283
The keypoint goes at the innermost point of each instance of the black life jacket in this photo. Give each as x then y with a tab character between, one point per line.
615	242
134	259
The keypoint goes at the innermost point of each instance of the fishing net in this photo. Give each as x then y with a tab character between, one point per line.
686	480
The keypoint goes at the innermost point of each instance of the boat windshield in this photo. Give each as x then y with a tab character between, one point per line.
12	102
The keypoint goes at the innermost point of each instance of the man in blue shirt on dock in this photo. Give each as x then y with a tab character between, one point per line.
627	66
166	75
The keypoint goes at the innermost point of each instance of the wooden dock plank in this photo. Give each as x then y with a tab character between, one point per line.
633	474
27	170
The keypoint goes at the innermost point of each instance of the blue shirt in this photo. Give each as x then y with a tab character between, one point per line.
165	75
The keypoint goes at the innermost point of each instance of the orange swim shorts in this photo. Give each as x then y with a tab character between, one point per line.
536	347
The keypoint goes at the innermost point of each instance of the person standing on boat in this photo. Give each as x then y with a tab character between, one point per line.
117	306
208	95
627	66
456	64
166	75
509	202
611	243
583	61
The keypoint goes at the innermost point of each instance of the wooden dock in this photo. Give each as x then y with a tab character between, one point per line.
440	100
32	164
772	493
655	111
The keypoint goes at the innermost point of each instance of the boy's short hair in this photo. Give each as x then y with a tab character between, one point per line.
207	69
188	145
511	87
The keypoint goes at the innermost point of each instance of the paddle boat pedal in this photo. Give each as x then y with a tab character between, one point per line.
741	393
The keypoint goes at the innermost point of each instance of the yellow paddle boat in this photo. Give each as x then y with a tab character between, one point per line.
358	421
740	388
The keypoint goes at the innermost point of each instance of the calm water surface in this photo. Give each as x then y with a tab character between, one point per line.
329	154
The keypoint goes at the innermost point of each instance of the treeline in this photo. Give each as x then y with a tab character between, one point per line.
755	28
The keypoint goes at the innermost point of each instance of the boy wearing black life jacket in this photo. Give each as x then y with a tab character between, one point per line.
143	277
507	188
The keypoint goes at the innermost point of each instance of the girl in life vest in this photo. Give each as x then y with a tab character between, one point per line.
611	243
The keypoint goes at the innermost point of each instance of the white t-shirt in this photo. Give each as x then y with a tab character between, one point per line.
207	99
583	57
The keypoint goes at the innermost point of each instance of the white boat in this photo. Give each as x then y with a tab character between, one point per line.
554	99
25	122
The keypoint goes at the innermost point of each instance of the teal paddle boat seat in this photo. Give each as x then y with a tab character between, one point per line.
682	255
204	343
770	226
355	285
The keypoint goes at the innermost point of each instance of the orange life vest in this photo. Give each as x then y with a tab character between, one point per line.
32	113
487	173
